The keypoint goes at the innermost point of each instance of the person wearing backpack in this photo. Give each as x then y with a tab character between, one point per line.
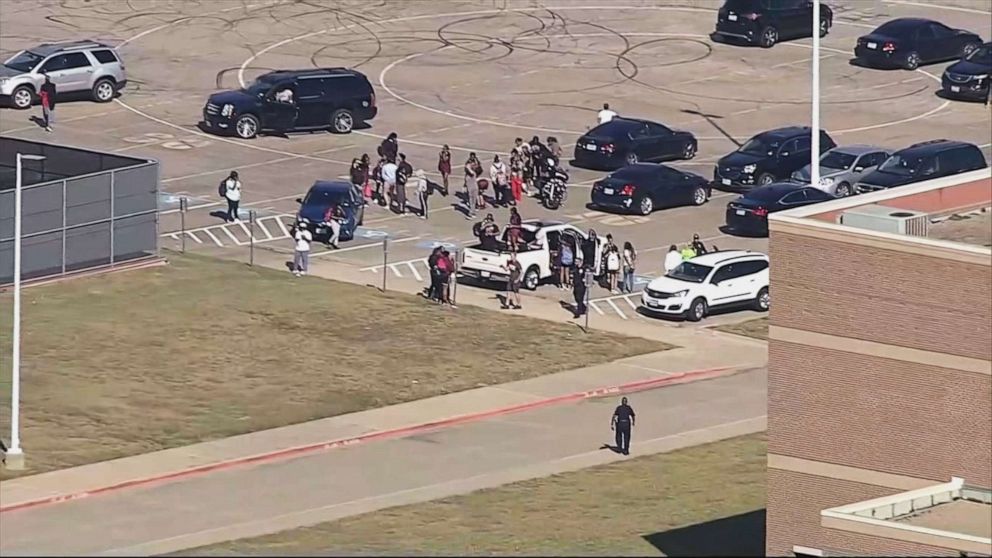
230	190
613	267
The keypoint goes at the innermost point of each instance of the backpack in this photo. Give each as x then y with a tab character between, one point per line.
612	261
222	188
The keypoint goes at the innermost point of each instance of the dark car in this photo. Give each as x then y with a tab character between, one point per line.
970	78
643	187
768	157
320	198
923	161
766	22
625	141
320	99
909	42
748	214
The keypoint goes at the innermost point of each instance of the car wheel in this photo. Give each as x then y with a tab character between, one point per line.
689	151
22	97
824	27
645	205
342	121
699	196
765	179
843	190
246	126
763	301
532	278
912	61
697	310
769	36
103	90
631	158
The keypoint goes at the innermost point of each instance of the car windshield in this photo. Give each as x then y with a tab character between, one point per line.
767	195
742	5
325	198
897	164
837	160
688	271
259	87
635	172
24	62
981	56
759	146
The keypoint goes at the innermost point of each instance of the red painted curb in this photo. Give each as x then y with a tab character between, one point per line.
631	387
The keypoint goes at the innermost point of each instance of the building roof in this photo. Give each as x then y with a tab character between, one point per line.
962	516
968	228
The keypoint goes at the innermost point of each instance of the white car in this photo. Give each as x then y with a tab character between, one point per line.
714	280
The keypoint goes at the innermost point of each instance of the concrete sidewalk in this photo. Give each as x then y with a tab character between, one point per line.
327	485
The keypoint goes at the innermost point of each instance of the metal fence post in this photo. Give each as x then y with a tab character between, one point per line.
385	260
183	206
65	204
454	277
113	217
251	237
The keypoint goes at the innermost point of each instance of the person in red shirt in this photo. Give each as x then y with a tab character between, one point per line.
516	187
446	267
47	95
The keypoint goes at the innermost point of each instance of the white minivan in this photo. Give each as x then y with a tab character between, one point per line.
715	280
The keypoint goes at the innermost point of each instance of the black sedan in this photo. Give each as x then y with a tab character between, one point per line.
909	42
625	141
971	78
642	187
748	214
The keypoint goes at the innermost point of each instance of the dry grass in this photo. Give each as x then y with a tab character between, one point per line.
756	328
201	349
623	508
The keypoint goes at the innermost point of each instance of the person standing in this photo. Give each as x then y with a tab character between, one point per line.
301	254
606	114
423	190
433	291
514	230
360	176
566	260
376	176
673	259
697	245
390	147
473	168
499	176
513	282
612	257
622	422
404	171
48	94
333	218
447	266
629	261
232	193
688	253
389	171
444	166
579	290
555	148
516	187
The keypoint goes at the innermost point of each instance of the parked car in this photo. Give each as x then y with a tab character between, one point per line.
643	187
538	239
625	141
842	167
910	42
748	214
81	66
715	280
322	196
321	99
768	157
766	22
923	161
970	77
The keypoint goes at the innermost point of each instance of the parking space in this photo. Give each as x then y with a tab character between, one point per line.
474	76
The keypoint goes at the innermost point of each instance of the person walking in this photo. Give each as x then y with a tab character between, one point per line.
473	168
301	253
606	114
404	171
48	94
673	258
444	166
621	423
513	283
499	177
629	262
579	290
423	190
390	147
232	193
389	171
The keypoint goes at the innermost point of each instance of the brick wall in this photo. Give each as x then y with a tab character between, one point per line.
884	296
793	518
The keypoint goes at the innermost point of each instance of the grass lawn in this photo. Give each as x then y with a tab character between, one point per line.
201	349
756	328
625	508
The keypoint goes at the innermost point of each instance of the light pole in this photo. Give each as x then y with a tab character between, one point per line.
15	456
815	94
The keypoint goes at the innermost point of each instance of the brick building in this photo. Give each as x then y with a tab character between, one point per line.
880	374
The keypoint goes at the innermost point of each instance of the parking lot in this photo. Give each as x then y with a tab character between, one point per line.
473	75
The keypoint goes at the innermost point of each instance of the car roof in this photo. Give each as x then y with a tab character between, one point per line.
312	72
713	259
932	146
777	188
46	49
787	132
859	149
331	185
908	21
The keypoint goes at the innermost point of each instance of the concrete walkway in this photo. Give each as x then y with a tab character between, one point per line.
432	463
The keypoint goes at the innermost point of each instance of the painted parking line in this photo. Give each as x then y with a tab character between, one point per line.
226	235
399	268
364	246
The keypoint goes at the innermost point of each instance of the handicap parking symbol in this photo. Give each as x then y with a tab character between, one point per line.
372	233
430	245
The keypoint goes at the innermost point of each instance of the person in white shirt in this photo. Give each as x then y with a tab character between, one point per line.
232	193
285	96
423	190
301	253
606	114
500	177
389	180
672	259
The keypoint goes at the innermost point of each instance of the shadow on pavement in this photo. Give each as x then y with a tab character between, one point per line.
738	535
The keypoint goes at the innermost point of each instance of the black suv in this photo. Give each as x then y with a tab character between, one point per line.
293	101
970	78
768	157
923	161
766	22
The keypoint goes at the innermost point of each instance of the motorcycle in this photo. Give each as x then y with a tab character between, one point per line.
553	185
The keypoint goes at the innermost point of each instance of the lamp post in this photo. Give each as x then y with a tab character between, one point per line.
814	163
15	456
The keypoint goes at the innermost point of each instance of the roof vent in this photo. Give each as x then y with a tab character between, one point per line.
879	218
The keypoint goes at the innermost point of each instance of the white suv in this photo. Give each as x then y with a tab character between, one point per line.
717	279
83	66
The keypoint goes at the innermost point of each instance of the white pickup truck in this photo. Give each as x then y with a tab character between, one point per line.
539	239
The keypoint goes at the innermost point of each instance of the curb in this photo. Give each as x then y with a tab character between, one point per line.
631	387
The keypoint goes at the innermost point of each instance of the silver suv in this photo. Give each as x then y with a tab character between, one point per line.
73	67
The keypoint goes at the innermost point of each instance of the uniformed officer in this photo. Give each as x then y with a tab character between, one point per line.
623	420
